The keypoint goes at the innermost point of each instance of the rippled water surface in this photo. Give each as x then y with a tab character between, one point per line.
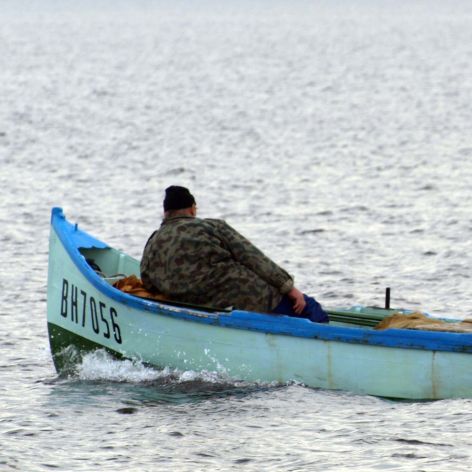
335	135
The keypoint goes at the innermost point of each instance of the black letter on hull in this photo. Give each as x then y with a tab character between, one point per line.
84	295
94	315
73	304
116	327
107	333
65	292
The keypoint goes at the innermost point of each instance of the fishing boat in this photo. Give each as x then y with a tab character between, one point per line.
85	312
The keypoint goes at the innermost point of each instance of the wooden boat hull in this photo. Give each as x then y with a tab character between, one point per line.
85	311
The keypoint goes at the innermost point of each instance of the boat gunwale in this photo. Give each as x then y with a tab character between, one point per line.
245	320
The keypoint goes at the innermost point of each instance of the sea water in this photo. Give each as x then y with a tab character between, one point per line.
334	135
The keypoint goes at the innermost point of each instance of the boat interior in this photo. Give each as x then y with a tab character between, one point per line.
113	265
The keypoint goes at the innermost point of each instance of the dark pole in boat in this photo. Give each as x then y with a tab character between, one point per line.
387	298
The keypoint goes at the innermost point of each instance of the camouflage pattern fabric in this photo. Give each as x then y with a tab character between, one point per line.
207	262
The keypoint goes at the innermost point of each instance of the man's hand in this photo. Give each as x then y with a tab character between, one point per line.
298	300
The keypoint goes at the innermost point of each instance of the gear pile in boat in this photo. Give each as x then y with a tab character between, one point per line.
419	320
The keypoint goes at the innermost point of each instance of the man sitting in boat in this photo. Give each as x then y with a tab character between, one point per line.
207	262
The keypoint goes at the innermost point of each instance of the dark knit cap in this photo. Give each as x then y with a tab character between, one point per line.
178	198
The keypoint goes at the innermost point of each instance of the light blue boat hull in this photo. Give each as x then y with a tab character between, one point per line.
84	310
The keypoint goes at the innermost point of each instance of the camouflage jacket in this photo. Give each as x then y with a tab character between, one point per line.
207	262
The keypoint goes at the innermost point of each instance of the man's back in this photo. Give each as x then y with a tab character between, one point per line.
205	261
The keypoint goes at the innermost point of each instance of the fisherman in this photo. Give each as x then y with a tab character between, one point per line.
207	262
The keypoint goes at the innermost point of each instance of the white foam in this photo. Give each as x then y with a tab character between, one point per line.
203	376
99	365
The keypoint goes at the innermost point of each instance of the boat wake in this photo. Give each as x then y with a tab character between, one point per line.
148	384
99	365
102	367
